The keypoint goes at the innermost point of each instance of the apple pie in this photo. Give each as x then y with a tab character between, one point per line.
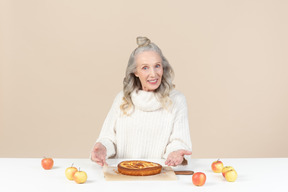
139	168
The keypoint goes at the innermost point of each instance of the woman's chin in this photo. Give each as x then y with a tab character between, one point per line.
151	88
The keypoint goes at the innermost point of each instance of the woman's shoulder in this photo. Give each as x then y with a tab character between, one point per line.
119	96
176	95
118	99
178	99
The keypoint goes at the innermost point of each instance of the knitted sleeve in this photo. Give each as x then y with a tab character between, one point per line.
107	135
180	135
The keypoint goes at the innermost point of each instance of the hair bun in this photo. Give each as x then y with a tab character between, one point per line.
143	41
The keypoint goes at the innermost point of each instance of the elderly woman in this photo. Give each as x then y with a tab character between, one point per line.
148	119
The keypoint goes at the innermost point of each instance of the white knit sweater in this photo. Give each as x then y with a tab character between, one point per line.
150	132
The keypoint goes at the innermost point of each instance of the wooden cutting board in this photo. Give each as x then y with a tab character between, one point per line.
111	174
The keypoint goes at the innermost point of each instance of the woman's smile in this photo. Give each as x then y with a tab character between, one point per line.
154	81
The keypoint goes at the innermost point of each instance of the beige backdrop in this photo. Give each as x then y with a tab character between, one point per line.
62	63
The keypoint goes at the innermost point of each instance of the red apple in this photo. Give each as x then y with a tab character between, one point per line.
199	178
47	163
217	166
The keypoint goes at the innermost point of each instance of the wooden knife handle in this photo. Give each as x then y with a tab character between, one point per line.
184	172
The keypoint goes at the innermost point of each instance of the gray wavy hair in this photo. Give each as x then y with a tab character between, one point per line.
131	82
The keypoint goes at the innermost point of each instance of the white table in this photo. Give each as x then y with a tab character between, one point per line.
254	174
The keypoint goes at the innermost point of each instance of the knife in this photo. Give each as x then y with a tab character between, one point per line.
184	172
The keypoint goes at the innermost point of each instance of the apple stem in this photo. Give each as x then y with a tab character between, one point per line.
79	169
72	164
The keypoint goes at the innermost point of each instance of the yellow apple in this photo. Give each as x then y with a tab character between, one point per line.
70	171
225	169
217	166
80	177
231	175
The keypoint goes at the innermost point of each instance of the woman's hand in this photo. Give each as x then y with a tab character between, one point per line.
176	157
98	154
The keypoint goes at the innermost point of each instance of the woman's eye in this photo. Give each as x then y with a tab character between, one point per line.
157	66
145	68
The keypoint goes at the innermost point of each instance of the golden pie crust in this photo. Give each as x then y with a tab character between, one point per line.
139	168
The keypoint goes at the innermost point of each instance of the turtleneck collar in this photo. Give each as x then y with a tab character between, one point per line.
145	100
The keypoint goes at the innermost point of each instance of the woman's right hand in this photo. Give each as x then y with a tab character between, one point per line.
98	154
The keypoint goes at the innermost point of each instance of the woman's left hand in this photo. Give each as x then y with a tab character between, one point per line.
176	157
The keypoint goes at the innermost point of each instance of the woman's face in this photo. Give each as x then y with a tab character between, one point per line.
149	70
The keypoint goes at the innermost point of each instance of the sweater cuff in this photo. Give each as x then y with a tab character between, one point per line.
110	149
174	146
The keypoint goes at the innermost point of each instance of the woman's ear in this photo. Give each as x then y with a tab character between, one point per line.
136	74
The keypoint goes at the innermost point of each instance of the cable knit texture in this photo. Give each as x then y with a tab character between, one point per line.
150	132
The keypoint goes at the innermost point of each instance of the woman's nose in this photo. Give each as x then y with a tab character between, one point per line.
152	72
